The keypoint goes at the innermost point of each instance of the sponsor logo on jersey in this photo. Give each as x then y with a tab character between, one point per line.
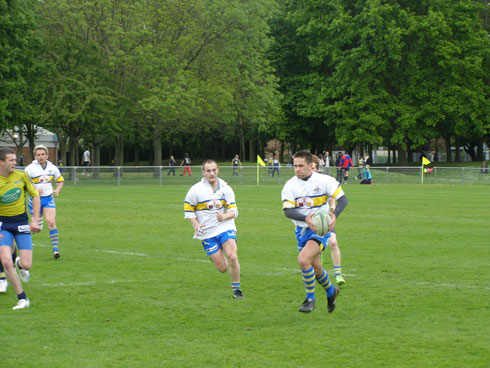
317	190
304	202
214	204
10	196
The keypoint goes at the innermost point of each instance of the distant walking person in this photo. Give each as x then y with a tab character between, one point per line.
236	163
44	174
367	159
346	163
171	163
86	160
186	162
484	168
211	208
275	166
327	160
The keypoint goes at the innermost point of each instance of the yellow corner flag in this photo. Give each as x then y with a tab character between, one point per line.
260	161
425	161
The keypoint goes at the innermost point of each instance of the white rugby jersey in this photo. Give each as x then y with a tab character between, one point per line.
203	203
310	195
43	178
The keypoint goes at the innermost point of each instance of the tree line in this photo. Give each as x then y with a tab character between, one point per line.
219	77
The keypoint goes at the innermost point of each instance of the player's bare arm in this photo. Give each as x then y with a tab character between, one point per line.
36	209
56	192
197	226
225	216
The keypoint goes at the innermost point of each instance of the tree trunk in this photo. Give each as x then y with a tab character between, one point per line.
457	154
73	148
436	149
31	138
448	149
402	156
96	158
479	150
470	150
136	155
281	151
252	148
62	142
242	139
119	154
157	149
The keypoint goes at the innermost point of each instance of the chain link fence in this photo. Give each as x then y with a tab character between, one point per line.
251	175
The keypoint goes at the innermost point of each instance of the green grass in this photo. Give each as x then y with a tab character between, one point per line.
133	289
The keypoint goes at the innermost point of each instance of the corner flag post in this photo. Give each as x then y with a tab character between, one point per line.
261	163
425	161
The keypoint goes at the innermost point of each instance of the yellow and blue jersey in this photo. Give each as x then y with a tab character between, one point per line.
12	193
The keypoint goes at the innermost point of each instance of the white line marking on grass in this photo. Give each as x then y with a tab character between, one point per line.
40	245
275	272
189	259
87	283
123	253
452	285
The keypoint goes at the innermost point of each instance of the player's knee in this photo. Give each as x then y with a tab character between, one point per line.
233	259
7	263
303	261
222	268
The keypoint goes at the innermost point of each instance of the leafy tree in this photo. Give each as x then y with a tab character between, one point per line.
20	69
387	72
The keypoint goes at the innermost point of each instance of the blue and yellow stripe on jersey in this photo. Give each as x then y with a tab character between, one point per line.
205	205
339	189
36	180
316	201
189	207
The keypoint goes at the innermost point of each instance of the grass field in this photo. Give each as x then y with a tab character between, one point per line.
133	289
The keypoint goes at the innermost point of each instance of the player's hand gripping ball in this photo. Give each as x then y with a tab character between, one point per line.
322	221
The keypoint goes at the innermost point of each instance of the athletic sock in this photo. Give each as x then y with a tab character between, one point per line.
337	270
309	281
53	235
235	286
324	281
22	295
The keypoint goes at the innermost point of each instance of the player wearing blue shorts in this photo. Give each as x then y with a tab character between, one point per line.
302	196
14	222
210	207
43	174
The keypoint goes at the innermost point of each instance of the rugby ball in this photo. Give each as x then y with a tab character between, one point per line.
322	220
